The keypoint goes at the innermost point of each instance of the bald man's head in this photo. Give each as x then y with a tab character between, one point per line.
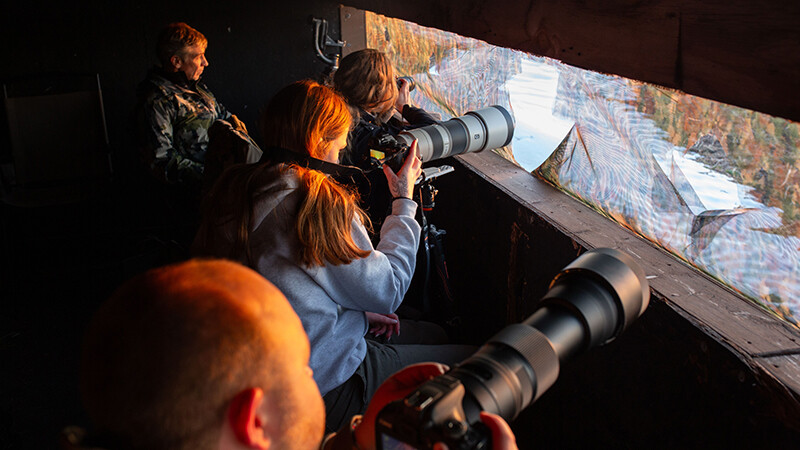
165	356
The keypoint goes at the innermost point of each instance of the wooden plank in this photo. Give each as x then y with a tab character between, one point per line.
738	52
743	54
354	30
639	38
725	316
504	246
789	368
785	373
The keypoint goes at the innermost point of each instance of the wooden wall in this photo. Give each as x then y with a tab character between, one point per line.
58	263
254	49
740	52
703	367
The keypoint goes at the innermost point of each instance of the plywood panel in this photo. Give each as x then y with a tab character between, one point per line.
744	54
739	52
354	33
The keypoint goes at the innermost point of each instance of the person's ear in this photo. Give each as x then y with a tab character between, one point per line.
246	420
176	61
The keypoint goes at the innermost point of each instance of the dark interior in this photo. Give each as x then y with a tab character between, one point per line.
688	374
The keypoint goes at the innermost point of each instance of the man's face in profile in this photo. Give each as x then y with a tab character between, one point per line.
192	61
293	402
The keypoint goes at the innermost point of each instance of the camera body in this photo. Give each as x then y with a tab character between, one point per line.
433	413
589	303
387	149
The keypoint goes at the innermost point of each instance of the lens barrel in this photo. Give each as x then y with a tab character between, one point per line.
411	83
589	303
475	131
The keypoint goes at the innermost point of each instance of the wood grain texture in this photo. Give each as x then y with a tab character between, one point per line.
735	322
738	52
789	368
354	33
670	381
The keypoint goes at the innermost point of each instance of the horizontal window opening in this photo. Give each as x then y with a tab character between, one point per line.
716	185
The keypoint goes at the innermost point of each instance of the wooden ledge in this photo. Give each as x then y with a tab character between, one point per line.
770	347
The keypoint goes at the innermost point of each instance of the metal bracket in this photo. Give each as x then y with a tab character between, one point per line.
322	41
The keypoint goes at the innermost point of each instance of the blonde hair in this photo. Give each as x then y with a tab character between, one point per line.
366	79
325	221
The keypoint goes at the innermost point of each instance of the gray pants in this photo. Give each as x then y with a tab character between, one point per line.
380	362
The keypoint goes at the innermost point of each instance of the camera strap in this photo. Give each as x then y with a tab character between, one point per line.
347	175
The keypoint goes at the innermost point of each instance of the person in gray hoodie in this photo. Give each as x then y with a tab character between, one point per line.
287	218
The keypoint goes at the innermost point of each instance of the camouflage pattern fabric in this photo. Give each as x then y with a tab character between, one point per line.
177	114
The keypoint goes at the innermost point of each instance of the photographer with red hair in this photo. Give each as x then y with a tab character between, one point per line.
288	219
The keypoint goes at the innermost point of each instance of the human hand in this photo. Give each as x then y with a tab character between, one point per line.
403	93
383	324
402	183
399	385
502	436
238	124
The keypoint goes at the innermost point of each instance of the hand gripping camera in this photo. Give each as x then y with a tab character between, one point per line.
475	131
589	303
411	83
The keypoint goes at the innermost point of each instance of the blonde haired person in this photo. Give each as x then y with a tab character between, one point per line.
289	220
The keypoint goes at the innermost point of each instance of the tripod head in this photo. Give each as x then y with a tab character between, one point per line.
427	192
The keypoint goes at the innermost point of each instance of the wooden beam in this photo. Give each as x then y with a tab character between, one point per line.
702	362
353	29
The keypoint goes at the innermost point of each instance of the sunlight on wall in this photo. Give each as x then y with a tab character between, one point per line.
716	185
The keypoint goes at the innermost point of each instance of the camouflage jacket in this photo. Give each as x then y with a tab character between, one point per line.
174	120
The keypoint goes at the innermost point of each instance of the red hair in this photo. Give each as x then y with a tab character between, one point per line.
325	221
304	117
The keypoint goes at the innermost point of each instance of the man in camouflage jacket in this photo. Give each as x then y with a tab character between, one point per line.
176	109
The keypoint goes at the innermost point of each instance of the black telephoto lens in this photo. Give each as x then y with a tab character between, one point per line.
411	83
589	303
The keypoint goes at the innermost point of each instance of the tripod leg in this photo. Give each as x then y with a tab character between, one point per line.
426	301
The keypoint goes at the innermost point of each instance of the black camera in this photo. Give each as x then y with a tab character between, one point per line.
475	131
590	302
387	149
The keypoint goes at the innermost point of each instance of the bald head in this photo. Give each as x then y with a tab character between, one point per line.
165	355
